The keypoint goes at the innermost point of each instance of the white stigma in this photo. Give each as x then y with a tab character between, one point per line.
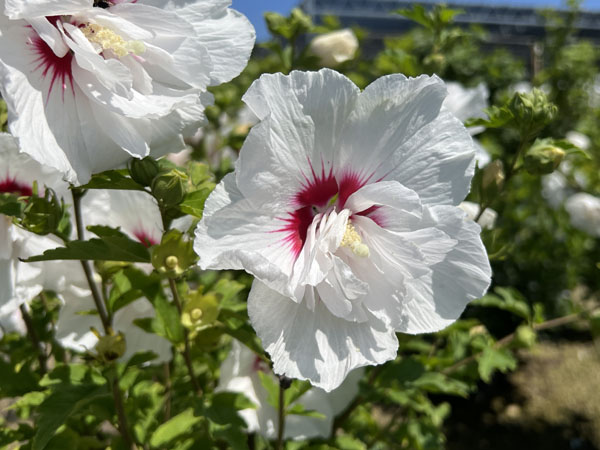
109	40
353	241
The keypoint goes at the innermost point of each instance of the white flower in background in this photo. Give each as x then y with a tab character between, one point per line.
578	139
75	321
343	206
89	87
584	210
20	282
555	188
487	219
240	373
335	47
136	214
470	103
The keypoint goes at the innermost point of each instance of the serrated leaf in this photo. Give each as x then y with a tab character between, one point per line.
493	359
112	179
177	426
295	391
439	383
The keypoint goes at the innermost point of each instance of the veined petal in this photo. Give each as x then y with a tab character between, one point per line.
235	234
226	34
316	346
19	9
438	299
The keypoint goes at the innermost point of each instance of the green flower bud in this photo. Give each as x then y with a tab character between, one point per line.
532	111
170	187
525	336
112	347
543	157
143	170
42	215
174	255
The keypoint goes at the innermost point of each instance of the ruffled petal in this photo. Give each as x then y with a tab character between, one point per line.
316	345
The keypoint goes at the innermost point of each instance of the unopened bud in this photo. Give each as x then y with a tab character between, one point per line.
169	187
144	170
543	157
525	336
532	111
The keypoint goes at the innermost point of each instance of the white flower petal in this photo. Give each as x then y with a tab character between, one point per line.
18	9
316	346
437	300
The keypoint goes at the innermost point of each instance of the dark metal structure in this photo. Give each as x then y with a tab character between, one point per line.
518	28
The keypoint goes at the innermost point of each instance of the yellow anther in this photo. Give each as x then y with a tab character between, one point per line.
353	240
109	40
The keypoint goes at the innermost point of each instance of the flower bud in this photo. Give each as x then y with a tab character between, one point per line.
169	187
543	158
335	48
525	336
532	111
144	170
111	347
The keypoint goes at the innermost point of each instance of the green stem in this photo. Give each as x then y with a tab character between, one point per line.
34	339
87	267
106	322
280	417
186	350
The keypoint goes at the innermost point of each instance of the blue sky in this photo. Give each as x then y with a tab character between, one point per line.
254	9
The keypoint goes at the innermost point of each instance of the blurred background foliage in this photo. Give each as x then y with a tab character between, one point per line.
481	383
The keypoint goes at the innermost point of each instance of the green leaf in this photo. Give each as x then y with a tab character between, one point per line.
508	299
439	383
493	359
347	442
299	410
59	406
295	391
272	387
13	383
113	179
109	248
167	322
193	202
177	426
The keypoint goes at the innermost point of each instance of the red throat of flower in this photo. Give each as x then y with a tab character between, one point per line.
12	186
57	68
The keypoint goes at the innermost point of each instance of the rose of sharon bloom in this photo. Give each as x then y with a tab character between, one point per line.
487	219
335	48
19	281
469	103
584	210
89	87
240	373
343	205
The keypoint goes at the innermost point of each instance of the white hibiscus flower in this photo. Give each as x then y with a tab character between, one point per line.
470	103
89	87
584	211
240	373
343	206
487	219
